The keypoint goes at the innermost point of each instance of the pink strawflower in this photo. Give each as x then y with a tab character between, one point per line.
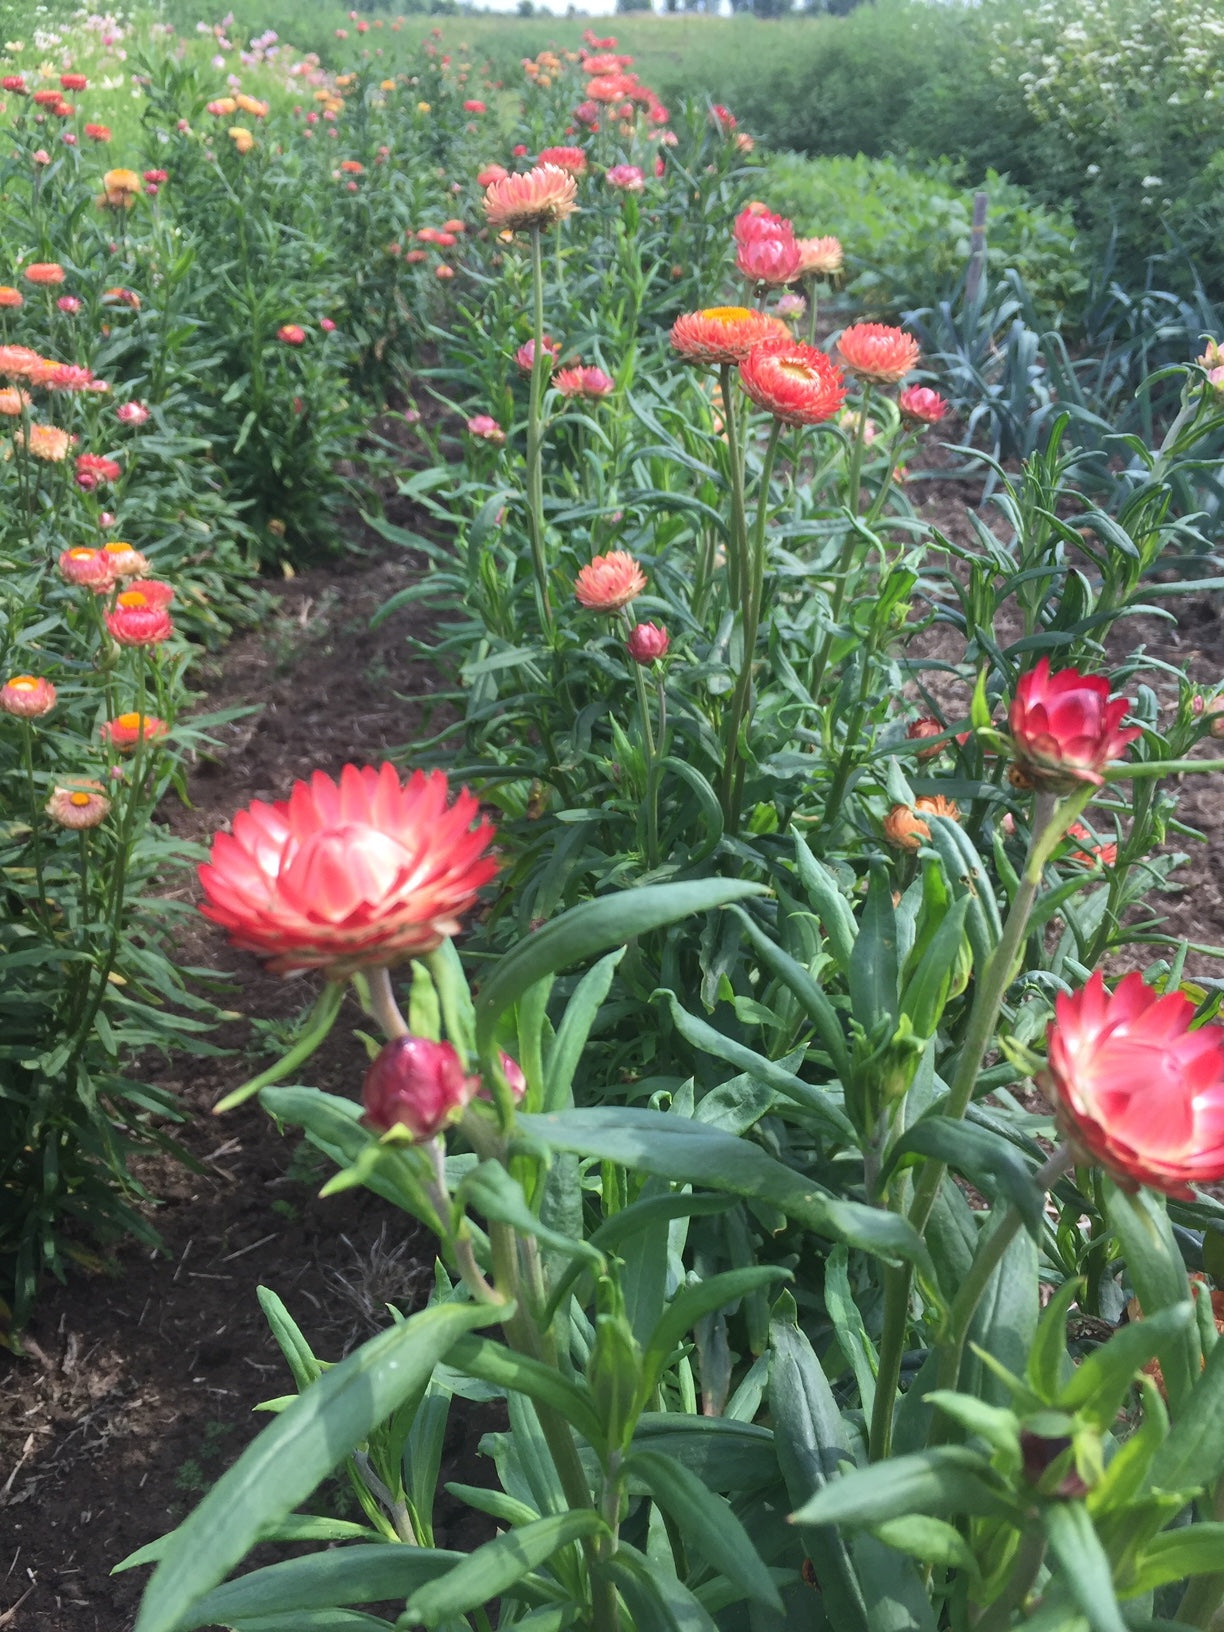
627	178
132	413
922	406
583	382
486	428
609	582
1066	728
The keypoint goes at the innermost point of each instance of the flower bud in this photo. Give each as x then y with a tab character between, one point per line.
417	1087
647	643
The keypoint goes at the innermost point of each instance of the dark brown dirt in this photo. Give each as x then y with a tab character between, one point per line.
137	1386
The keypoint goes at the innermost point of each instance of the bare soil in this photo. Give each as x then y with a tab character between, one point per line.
137	1386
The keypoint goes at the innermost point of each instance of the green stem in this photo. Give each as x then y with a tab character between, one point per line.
382	1005
535	438
1051	818
737	552
651	752
1028	1561
36	814
753	596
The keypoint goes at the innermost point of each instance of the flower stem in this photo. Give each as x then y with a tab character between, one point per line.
535	438
752	598
651	752
382	1005
1051	818
737	553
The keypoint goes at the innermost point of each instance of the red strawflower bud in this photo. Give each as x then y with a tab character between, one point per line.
647	643
417	1086
1066	728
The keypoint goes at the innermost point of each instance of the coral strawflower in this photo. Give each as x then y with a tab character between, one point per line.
490	174
571	159
769	256
98	133
13	401
18	362
126	730
74	82
1066	728
609	582
1136	1089
87	567
92	469
723	334
349	875
922	406
583	382
905	826
1088	851
798	384
525	355
627	178
486	428
10	298
125	561
79	804
291	334
69	303
878	352
132	413
541	197
134	620
44	272
820	256
28	696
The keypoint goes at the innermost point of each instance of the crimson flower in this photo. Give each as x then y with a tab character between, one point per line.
1066	728
92	470
1136	1089
647	642
342	876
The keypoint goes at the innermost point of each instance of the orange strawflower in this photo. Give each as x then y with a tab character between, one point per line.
241	138
119	189
123	560
820	255
723	334
126	730
878	352
543	196
609	582
13	401
10	297
905	827
81	565
796	383
18	362
251	105
45	442
44	272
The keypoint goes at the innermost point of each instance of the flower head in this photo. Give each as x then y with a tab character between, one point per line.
135	619
647	642
125	561
241	137
798	384
69	303
120	188
1136	1089
570	159
291	334
723	334
878	352
132	413
539	198
46	442
10	298
1087	851
416	1087
126	730
81	565
27	696
525	355
626	178
78	804
1065	728
820	256
13	401
766	249
922	406
44	272
583	382
92	469
905	827
490	174
345	875
609	582
98	133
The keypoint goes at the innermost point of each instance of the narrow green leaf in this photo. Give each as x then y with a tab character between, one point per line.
1158	1276
1100	1382
929	1540
290	1339
295	1453
684	1151
816	1005
942	1481
492	1362
707	1523
594	927
1192	1457
1083	1564
873	972
1193	1549
980	1155
690	1304
575	1028
640	1576
495	1193
830	905
495	1567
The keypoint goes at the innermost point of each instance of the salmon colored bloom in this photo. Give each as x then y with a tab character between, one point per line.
539	198
126	730
570	159
18	362
347	875
1065	728
63	376
723	334
821	256
525	355
27	696
222	107
878	352
766	250
291	334
251	105
416	1088
609	582
44	272
241	138
350	167
796	383
1135	1088
647	642
626	178
486	428
13	401
98	133
905	827
10	298
920	729
87	567
121	181
74	82
92	469
583	382
46	442
119	296
922	406
125	561
79	804
69	303
490	174
1088	851
134	620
